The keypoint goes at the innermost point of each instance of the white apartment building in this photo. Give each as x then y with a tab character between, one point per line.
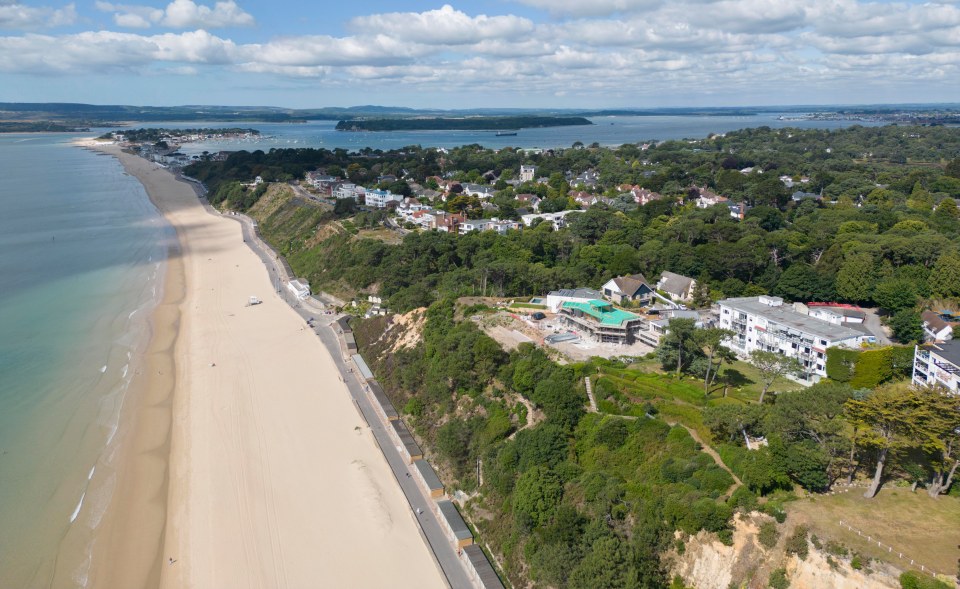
765	323
347	190
938	364
378	199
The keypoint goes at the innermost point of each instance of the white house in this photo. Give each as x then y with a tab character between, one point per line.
347	190
677	286
765	323
935	327
938	365
378	199
528	173
557	219
300	289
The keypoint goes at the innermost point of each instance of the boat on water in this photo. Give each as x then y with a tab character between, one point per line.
506	133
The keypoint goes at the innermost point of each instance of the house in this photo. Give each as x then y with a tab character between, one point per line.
494	224
800	195
837	313
556	298
448	222
601	321
935	327
738	210
478	190
677	286
528	173
628	288
706	198
557	219
765	323
378	199
938	364
299	288
643	196
530	200
584	199
347	190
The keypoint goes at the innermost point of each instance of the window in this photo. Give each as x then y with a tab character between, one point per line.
726	311
823	342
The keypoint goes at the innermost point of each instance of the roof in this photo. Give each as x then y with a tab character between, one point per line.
787	317
949	351
406	438
453	518
630	285
362	366
674	283
934	321
344	323
577	293
488	577
428	474
602	311
383	400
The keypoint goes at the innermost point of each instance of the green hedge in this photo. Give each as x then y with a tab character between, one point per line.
841	363
872	368
869	368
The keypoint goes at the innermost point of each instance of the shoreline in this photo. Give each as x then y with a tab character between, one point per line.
247	463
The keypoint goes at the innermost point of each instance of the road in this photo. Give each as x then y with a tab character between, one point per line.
420	505
872	323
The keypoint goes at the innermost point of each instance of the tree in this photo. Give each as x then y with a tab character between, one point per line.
710	341
907	326
771	366
894	419
945	277
855	279
536	496
678	346
701	293
895	294
945	455
345	207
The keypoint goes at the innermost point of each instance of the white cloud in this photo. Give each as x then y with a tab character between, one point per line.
579	8
179	14
445	26
14	15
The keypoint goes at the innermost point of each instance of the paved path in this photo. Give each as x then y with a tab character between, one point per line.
420	505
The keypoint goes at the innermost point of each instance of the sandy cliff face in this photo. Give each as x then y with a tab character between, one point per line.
707	563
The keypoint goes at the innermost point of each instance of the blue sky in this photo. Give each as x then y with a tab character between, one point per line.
499	53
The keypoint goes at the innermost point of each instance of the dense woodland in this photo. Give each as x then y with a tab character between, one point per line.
572	499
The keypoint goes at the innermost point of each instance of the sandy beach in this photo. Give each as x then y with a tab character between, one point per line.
247	463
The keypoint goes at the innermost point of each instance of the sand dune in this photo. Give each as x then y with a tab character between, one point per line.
271	483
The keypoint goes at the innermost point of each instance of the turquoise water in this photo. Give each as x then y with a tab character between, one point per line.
81	254
606	131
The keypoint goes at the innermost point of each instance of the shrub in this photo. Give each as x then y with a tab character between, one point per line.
681	546
915	580
797	542
837	549
840	364
856	563
779	580
768	534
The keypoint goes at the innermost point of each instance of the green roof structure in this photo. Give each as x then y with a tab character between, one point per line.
602	311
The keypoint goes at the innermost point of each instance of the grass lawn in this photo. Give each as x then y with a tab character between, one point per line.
381	234
924	529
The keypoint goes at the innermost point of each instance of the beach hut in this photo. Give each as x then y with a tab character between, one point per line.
404	439
381	403
427	478
362	367
481	572
453	524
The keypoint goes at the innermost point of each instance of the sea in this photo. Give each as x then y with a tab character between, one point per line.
605	131
82	254
82	251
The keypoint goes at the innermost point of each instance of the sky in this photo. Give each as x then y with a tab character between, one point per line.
470	54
